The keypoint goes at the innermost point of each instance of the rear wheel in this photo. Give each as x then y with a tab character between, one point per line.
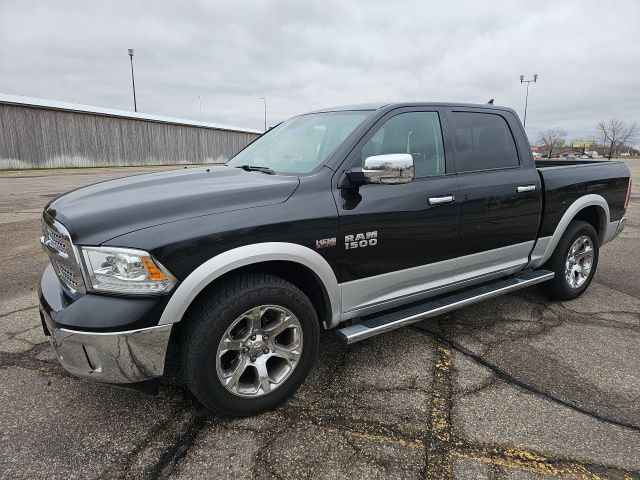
249	345
574	262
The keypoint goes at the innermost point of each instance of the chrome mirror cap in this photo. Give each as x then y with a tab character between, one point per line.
392	168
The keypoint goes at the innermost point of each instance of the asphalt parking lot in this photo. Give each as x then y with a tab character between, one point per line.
513	388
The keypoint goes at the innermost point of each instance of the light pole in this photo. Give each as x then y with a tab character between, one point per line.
265	112
526	102
133	81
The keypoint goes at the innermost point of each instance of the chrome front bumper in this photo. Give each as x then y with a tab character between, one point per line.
115	357
128	356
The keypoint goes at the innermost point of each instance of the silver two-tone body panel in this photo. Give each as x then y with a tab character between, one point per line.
373	294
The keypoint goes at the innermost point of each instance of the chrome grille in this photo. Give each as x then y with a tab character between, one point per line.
67	274
56	241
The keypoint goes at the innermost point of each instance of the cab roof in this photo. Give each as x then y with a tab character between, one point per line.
391	105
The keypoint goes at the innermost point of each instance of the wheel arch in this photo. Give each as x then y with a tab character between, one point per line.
596	216
300	265
591	208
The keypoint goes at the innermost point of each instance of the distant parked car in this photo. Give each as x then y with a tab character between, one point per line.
571	156
584	156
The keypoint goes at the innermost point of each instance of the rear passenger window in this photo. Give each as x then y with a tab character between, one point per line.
482	141
416	133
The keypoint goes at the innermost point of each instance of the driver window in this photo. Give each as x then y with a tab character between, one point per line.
416	133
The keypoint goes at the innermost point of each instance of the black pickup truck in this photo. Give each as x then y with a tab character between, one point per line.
360	219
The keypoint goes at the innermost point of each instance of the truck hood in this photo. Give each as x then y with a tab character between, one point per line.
99	212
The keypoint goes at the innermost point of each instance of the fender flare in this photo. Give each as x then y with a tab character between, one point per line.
243	256
546	245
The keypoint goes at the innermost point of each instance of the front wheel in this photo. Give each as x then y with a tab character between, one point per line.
574	262
250	344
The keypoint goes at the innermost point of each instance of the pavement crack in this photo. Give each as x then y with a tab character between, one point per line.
485	385
31	307
528	461
24	357
501	374
262	465
597	320
168	462
327	418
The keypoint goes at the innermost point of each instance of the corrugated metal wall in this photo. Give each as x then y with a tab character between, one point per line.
36	137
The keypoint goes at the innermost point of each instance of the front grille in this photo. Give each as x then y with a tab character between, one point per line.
67	275
57	243
57	240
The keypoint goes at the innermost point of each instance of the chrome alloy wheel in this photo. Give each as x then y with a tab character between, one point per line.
259	351
579	262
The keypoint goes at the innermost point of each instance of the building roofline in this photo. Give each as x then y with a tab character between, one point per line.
110	112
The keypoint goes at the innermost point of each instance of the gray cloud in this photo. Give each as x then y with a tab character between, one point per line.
306	55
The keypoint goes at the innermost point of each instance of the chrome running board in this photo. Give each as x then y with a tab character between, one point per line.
402	318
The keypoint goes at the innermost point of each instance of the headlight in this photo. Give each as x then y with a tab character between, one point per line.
124	270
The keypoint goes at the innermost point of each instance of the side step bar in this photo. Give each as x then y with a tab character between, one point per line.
402	318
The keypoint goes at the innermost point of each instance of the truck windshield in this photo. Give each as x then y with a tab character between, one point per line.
300	144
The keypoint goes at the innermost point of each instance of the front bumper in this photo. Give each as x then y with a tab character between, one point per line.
129	356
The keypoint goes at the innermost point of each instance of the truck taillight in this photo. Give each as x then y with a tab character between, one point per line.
628	200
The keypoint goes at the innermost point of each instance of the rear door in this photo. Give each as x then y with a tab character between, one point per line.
500	197
396	243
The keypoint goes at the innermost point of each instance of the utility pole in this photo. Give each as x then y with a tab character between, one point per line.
265	112
526	101
133	81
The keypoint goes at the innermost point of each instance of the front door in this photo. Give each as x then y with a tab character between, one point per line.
399	241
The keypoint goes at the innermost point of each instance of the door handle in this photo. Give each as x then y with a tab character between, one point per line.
441	200
526	188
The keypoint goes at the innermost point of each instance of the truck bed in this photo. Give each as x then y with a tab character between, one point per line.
564	181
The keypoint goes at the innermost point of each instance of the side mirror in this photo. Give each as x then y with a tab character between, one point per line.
392	168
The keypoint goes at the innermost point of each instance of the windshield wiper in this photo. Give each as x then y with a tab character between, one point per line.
255	168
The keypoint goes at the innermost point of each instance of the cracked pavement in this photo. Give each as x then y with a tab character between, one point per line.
517	387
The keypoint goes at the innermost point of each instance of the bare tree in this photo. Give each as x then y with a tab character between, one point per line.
615	133
552	138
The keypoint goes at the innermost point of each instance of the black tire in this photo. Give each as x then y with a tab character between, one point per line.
559	288
210	318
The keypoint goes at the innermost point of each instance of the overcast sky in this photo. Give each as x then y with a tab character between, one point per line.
306	55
